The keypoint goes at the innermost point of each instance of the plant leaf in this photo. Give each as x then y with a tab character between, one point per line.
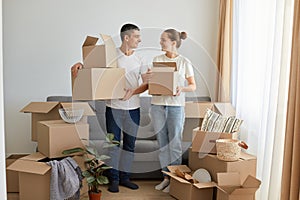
102	157
102	180
90	179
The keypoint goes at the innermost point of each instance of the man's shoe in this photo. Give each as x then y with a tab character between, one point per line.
113	186
129	184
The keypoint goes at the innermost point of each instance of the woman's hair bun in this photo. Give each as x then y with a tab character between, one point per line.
183	35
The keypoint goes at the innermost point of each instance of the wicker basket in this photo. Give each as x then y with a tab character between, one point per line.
229	149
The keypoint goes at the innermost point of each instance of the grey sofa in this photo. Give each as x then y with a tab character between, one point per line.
146	164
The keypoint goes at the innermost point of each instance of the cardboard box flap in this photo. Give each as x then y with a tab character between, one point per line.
251	182
39	107
228	179
205	185
225	109
34	157
88	111
173	175
244	191
182	168
107	39
89	41
165	64
245	156
196	109
28	164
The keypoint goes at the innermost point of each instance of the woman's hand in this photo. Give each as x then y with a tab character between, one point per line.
128	94
75	68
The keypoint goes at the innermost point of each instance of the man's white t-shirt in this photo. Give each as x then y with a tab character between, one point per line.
134	67
185	70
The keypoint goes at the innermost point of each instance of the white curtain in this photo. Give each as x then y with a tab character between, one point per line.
261	55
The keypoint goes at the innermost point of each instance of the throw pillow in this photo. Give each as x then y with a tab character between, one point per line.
214	122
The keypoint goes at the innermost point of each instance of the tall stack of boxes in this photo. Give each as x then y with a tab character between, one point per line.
100	78
230	180
53	136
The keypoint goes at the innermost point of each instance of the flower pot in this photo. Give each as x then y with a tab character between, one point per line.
94	195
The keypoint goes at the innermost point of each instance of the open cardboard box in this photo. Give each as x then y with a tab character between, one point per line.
196	111
55	136
205	142
99	84
164	79
102	55
230	187
184	190
41	111
34	176
245	166
12	177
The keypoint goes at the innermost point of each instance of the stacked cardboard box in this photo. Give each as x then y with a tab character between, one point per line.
101	78
234	180
52	135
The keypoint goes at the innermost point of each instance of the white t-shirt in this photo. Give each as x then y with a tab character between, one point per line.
185	70
134	67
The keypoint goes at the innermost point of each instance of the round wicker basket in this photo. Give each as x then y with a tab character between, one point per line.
229	149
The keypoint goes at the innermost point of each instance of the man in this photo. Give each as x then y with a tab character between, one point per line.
124	115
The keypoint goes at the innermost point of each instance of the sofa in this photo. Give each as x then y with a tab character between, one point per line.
146	164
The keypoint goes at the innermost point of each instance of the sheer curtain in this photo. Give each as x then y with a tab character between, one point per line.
261	46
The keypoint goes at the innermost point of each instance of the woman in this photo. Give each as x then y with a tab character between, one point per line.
167	112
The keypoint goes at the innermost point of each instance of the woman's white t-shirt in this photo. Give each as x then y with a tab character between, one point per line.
185	70
134	67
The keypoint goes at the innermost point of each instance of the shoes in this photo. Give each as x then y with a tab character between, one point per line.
163	184
167	189
113	186
129	184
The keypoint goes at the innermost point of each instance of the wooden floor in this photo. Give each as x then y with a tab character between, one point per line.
146	191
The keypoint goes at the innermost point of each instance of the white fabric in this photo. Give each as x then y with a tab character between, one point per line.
134	67
261	47
185	70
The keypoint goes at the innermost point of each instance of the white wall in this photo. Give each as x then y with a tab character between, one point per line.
43	38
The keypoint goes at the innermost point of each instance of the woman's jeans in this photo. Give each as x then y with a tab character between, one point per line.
168	124
128	122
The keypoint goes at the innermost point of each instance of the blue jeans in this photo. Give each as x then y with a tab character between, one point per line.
168	124
128	122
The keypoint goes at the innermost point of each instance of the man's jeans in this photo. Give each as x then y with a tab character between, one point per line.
121	160
168	124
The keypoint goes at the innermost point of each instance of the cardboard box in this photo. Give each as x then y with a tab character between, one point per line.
104	55
13	196
41	111
194	113
33	169
55	136
164	79
99	84
205	142
245	166
197	109
182	189
230	188
12	178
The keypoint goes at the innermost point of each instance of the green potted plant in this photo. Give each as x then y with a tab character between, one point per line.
95	166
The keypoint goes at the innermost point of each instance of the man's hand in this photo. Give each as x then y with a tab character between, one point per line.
147	76
75	69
